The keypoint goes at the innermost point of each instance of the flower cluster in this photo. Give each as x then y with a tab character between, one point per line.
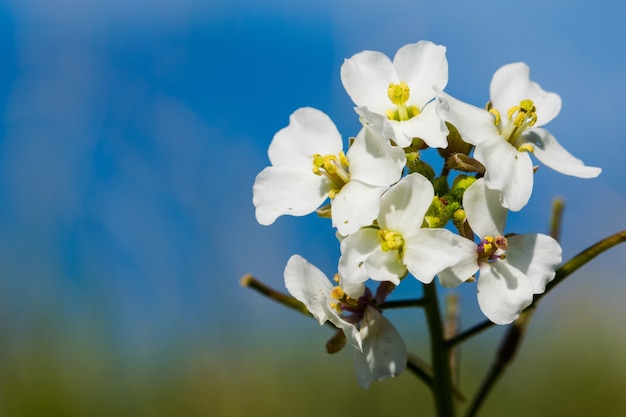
394	216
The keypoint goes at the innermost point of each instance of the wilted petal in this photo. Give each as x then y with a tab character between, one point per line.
503	292
384	353
551	153
537	256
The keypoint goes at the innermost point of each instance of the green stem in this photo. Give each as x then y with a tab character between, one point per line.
442	373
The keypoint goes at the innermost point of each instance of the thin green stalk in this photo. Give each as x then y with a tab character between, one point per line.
442	374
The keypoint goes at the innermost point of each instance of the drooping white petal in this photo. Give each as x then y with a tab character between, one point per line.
308	285
422	65
366	77
373	160
537	256
427	126
552	154
291	191
461	271
309	131
511	84
429	251
356	205
404	205
378	121
355	249
508	170
485	214
384	353
475	125
503	291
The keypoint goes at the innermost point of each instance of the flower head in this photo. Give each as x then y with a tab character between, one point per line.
308	166
380	351
512	267
509	130
401	90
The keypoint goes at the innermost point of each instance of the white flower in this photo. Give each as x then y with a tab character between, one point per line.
400	243
401	90
308	165
509	130
380	351
512	268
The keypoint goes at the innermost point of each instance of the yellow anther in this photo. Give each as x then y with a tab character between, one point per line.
337	293
496	114
398	93
501	243
336	278
332	193
527	147
343	160
525	111
390	240
333	167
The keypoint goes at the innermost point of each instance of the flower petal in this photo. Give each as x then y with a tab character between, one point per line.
373	160
503	292
485	214
384	353
511	84
426	126
461	271
508	170
356	205
281	191
385	266
309	131
366	77
404	205
308	285
422	65
552	154
537	256
475	125
355	249
429	251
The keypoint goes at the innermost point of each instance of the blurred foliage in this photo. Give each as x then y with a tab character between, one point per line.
54	370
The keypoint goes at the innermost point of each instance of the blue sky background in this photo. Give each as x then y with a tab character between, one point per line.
131	133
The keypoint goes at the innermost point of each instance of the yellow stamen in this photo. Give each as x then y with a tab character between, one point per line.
527	147
496	113
399	95
390	240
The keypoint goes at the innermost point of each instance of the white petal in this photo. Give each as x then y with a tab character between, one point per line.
366	77
508	170
355	249
404	205
537	256
551	153
377	121
466	266
422	65
309	131
429	251
290	191
385	266
503	292
475	125
308	285
356	205
373	160
349	329
511	84
384	353
485	214
428	127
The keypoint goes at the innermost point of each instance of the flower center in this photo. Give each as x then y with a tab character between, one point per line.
519	118
333	167
345	303
399	95
391	240
492	248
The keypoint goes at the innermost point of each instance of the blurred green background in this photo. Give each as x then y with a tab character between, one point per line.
130	136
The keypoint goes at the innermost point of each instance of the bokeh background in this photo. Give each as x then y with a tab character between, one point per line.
130	136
